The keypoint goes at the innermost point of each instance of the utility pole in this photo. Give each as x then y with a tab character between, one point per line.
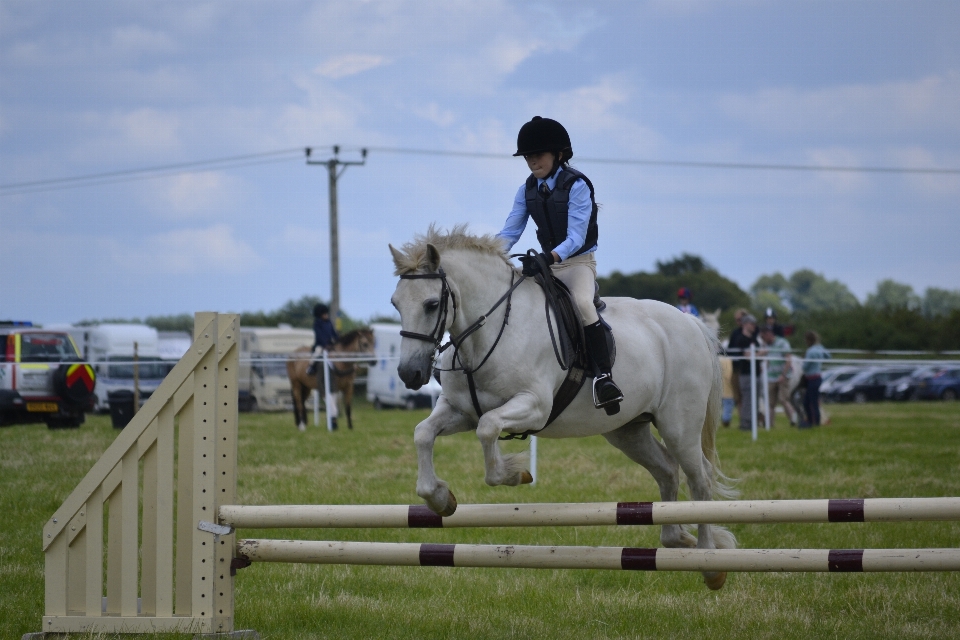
335	168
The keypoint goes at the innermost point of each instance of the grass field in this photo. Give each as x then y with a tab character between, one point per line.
880	450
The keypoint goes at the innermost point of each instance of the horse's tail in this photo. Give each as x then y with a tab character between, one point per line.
722	485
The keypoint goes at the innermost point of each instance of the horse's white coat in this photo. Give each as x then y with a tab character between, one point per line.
666	366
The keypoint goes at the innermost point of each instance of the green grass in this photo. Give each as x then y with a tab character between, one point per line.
881	450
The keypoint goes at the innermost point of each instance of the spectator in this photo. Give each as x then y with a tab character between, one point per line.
684	298
770	320
738	318
726	370
812	364
775	349
740	344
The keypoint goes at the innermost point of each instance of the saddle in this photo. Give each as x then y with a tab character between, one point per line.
569	345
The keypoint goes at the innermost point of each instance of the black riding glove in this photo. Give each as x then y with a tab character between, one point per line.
531	265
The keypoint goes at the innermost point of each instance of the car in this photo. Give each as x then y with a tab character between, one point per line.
945	385
868	385
906	388
832	378
42	378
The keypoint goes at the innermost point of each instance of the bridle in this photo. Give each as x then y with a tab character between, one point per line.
436	335
446	294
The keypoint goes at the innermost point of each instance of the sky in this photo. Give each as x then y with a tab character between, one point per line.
660	98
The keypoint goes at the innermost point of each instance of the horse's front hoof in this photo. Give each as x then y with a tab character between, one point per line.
526	478
715	581
451	506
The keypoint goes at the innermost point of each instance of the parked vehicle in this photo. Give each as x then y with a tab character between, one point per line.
869	385
945	385
264	385
837	376
906	388
384	387
125	356
42	378
171	346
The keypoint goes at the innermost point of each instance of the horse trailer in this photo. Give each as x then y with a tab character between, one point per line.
264	385
384	387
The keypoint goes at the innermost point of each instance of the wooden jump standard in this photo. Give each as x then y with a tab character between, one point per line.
155	516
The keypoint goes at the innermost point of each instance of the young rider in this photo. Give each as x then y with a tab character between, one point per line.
324	333
561	202
684	302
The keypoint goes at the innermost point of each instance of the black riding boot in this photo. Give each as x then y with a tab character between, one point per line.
606	393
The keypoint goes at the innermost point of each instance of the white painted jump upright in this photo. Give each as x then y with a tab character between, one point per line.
192	413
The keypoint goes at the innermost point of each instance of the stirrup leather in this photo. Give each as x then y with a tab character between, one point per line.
596	383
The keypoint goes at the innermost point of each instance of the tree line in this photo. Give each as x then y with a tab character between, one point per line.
296	313
894	317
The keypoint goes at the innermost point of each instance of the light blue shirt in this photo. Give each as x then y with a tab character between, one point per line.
812	359
578	218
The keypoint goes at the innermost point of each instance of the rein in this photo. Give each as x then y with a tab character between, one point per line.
436	335
456	341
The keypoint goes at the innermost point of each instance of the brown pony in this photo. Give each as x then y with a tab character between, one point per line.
358	342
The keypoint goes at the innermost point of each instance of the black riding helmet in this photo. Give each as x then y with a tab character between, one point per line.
543	134
320	309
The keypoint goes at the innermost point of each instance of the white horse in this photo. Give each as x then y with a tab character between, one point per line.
666	365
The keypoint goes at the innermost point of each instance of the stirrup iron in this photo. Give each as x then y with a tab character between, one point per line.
611	405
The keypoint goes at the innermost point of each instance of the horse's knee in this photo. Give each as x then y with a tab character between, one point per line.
424	435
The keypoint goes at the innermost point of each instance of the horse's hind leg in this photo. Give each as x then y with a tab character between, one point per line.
299	411
685	446
636	441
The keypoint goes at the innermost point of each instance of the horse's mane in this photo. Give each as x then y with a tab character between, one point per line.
414	252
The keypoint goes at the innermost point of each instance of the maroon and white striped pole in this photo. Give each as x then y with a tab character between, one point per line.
596	513
626	558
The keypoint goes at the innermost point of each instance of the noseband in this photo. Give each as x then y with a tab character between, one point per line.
446	294
436	336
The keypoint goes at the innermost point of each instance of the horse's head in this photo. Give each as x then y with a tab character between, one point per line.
364	344
712	320
426	304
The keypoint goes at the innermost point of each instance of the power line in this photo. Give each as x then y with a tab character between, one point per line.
283	155
683	163
146	173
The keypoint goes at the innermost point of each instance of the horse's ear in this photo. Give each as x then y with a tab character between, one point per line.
432	259
398	257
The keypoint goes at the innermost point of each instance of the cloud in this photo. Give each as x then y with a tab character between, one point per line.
436	114
349	65
927	104
196	193
133	39
300	242
193	252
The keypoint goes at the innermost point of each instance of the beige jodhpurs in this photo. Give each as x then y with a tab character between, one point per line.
579	273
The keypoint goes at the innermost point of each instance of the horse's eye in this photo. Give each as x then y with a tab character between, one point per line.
431	305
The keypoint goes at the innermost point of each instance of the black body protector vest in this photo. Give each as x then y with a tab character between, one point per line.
550	214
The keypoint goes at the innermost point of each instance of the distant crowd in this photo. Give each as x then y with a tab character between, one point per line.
784	373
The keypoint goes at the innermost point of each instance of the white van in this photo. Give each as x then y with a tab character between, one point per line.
110	349
384	386
264	351
171	346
